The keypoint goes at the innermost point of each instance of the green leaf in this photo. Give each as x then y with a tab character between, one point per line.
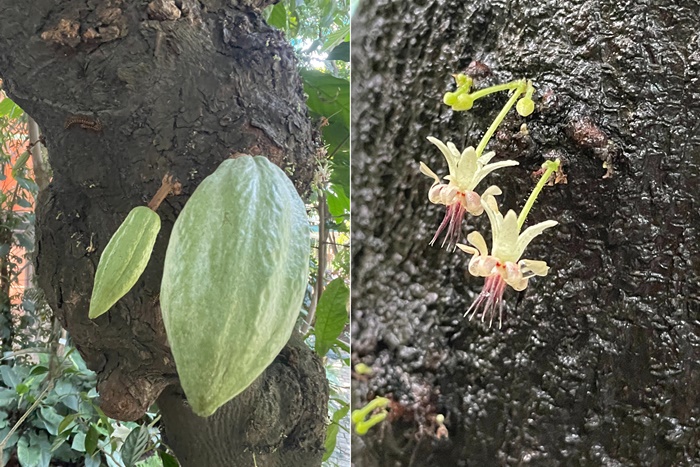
135	445
38	370
341	413
91	439
93	461
7	397
24	203
328	96
331	315
27	456
278	17
22	389
34	450
337	136
9	109
151	461
101	414
331	438
60	439
328	13
168	460
78	443
20	164
335	38
340	52
27	184
9	376
13	439
338	203
344	347
50	418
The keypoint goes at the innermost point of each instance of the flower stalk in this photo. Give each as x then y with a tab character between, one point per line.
549	168
521	87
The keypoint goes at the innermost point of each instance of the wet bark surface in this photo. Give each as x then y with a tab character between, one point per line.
124	93
599	362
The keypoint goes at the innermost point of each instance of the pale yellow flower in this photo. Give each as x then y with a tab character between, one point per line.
503	266
466	171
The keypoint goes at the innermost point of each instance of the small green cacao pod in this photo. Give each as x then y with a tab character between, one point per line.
234	278
124	259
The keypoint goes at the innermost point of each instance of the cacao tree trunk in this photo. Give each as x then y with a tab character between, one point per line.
126	92
597	363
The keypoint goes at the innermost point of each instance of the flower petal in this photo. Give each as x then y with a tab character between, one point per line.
513	276
491	208
492	191
453	151
487	169
467	169
519	284
435	194
445	152
488	197
476	239
468	249
485	158
530	233
505	244
472	203
482	266
442	193
425	170
531	267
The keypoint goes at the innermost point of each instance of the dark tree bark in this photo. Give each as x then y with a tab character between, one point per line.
126	92
599	362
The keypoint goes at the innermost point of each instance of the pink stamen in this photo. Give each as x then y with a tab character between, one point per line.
453	218
490	298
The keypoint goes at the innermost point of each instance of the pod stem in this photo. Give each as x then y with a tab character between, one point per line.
167	187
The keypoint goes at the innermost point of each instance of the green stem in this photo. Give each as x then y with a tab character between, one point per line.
499	87
549	166
363	427
359	415
530	90
521	85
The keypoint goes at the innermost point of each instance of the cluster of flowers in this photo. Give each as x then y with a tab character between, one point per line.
467	169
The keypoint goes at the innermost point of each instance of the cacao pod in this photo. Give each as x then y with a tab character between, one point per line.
124	259
234	278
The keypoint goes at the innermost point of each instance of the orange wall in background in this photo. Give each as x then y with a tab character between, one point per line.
15	147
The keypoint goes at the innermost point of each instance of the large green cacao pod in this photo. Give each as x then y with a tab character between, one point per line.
234	279
124	259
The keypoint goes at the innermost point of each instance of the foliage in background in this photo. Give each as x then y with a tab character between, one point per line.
66	427
17	192
320	32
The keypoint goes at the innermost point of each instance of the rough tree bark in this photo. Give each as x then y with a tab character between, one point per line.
126	92
599	362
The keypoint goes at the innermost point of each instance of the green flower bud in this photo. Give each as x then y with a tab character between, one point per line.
450	98
525	106
464	102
